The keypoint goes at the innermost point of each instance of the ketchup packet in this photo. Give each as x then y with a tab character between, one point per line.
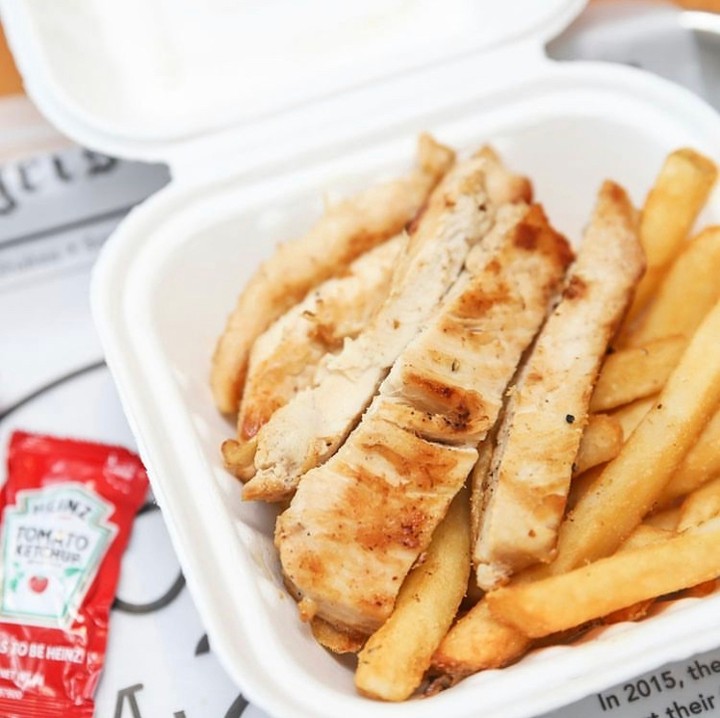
67	509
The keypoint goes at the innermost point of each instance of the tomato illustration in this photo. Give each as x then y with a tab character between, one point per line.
38	583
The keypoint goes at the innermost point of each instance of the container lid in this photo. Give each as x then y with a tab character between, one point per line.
144	75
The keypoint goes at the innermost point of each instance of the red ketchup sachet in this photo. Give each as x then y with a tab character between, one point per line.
67	510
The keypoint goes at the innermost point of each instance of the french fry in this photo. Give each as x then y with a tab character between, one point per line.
630	613
700	506
571	599
646	534
581	485
393	661
601	441
643	535
335	640
636	372
631	415
701	464
238	457
666	519
633	482
686	294
701	590
672	205
479	641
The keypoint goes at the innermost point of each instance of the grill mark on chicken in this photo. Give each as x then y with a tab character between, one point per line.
437	408
376	502
576	288
527	237
477	302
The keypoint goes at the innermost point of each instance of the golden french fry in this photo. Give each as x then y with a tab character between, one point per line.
238	457
686	293
646	534
674	202
666	519
701	590
631	483
634	373
392	663
701	464
655	526
630	613
631	415
601	441
581	485
479	641
700	506
571	599
335	640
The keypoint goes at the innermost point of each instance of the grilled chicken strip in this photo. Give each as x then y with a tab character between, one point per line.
284	359
359	522
347	230
524	488
310	428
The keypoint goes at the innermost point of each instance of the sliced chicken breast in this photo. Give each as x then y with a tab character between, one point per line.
358	523
347	230
355	527
310	428
523	488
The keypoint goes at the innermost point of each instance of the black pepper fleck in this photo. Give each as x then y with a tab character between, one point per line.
569	418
